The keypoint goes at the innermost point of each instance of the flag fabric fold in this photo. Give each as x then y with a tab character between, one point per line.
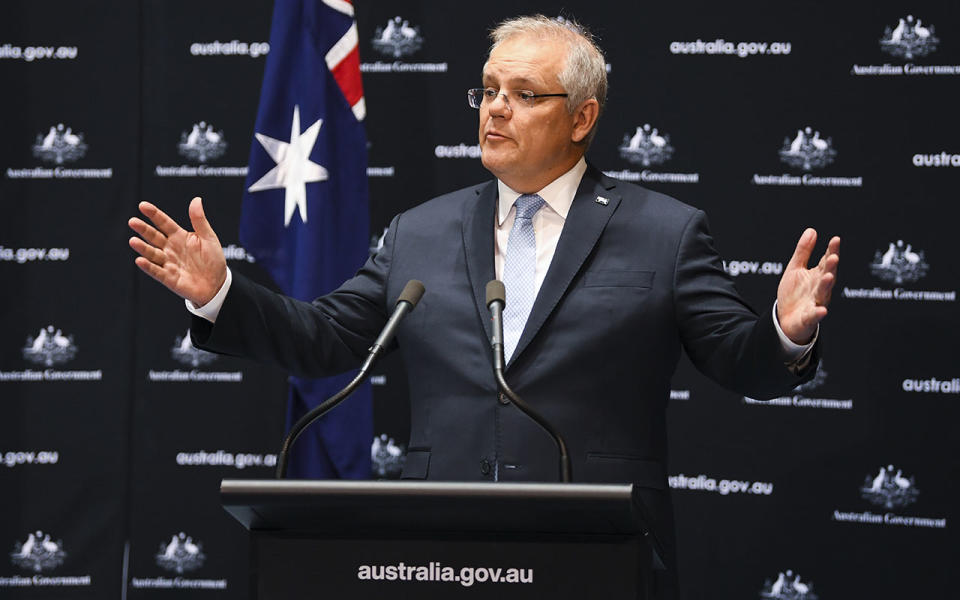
305	214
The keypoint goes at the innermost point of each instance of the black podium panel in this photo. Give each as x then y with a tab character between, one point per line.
295	569
349	539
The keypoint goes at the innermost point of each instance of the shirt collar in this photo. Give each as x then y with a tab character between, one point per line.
558	194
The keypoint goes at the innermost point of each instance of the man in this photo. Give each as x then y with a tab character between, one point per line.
605	282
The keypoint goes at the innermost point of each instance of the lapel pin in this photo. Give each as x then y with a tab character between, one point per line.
602	200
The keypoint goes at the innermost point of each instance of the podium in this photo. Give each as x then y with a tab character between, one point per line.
405	539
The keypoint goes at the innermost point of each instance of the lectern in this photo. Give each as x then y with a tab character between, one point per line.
403	539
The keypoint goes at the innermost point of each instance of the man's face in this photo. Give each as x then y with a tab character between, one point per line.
527	147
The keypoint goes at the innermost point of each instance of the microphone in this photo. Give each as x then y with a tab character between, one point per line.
408	299
411	294
496	299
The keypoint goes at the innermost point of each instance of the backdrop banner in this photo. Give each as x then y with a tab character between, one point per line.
115	432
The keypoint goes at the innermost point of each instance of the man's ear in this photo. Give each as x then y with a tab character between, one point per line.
584	118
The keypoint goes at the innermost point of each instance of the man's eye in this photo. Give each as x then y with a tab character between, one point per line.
525	95
490	92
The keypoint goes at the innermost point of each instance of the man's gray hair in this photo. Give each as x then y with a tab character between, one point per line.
584	74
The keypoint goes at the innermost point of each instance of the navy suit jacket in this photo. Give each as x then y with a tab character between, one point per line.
635	277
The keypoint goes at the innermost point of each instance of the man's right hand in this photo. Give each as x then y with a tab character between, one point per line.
190	263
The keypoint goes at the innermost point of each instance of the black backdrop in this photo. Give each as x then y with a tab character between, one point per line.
113	437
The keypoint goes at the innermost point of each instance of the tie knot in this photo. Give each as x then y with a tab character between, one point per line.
528	205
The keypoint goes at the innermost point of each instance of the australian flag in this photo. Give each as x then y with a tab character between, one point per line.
305	205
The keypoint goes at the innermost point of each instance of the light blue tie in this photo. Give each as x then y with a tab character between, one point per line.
519	271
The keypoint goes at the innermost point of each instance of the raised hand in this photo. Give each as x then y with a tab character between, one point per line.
803	294
189	263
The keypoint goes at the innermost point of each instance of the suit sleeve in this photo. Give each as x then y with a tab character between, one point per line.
324	337
721	334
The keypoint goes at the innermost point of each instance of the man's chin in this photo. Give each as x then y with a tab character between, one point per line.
494	161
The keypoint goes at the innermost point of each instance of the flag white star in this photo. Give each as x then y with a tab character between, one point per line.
294	169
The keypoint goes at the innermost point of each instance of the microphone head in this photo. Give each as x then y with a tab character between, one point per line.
496	292
411	293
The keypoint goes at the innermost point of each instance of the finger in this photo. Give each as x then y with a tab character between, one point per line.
147	251
815	315
801	256
148	232
829	264
832	251
824	289
164	223
152	270
199	220
834	246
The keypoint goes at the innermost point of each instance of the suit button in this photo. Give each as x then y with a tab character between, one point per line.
503	399
485	467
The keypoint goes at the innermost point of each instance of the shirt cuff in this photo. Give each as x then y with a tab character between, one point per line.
210	310
796	354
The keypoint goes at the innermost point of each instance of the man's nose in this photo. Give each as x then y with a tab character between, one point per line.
500	106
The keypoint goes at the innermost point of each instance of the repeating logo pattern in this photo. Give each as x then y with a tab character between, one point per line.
805	396
38	553
899	263
909	39
60	145
647	146
387	457
202	143
807	150
788	587
186	353
397	38
49	347
889	488
180	554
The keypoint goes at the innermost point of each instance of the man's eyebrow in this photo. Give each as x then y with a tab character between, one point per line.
515	82
525	81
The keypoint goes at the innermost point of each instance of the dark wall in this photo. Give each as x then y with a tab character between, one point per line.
113	437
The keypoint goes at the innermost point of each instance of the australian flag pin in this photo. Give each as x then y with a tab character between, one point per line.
602	200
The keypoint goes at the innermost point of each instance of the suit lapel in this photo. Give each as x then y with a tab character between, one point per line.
478	226
585	222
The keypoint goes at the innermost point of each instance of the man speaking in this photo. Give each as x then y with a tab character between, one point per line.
605	282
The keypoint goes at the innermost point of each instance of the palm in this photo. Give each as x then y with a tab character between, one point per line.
189	259
189	263
803	294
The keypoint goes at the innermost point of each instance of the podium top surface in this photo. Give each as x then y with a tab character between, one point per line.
403	507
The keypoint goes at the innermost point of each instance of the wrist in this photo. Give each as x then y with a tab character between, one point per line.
216	286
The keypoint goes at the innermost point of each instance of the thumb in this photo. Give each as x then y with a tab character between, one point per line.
801	256
199	220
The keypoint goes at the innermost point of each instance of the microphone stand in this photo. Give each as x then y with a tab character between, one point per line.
496	298
405	303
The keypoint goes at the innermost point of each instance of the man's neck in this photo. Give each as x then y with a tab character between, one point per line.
527	185
558	193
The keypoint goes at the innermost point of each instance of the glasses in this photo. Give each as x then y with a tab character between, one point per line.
477	97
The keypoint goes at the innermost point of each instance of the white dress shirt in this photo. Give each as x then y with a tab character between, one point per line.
547	226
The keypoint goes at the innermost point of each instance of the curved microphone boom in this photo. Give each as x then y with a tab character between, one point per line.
496	299
405	303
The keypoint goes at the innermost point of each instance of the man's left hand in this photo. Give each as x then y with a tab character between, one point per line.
803	294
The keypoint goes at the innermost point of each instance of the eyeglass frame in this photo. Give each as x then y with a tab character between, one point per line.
524	100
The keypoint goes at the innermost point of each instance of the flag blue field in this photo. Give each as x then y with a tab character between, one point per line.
305	207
